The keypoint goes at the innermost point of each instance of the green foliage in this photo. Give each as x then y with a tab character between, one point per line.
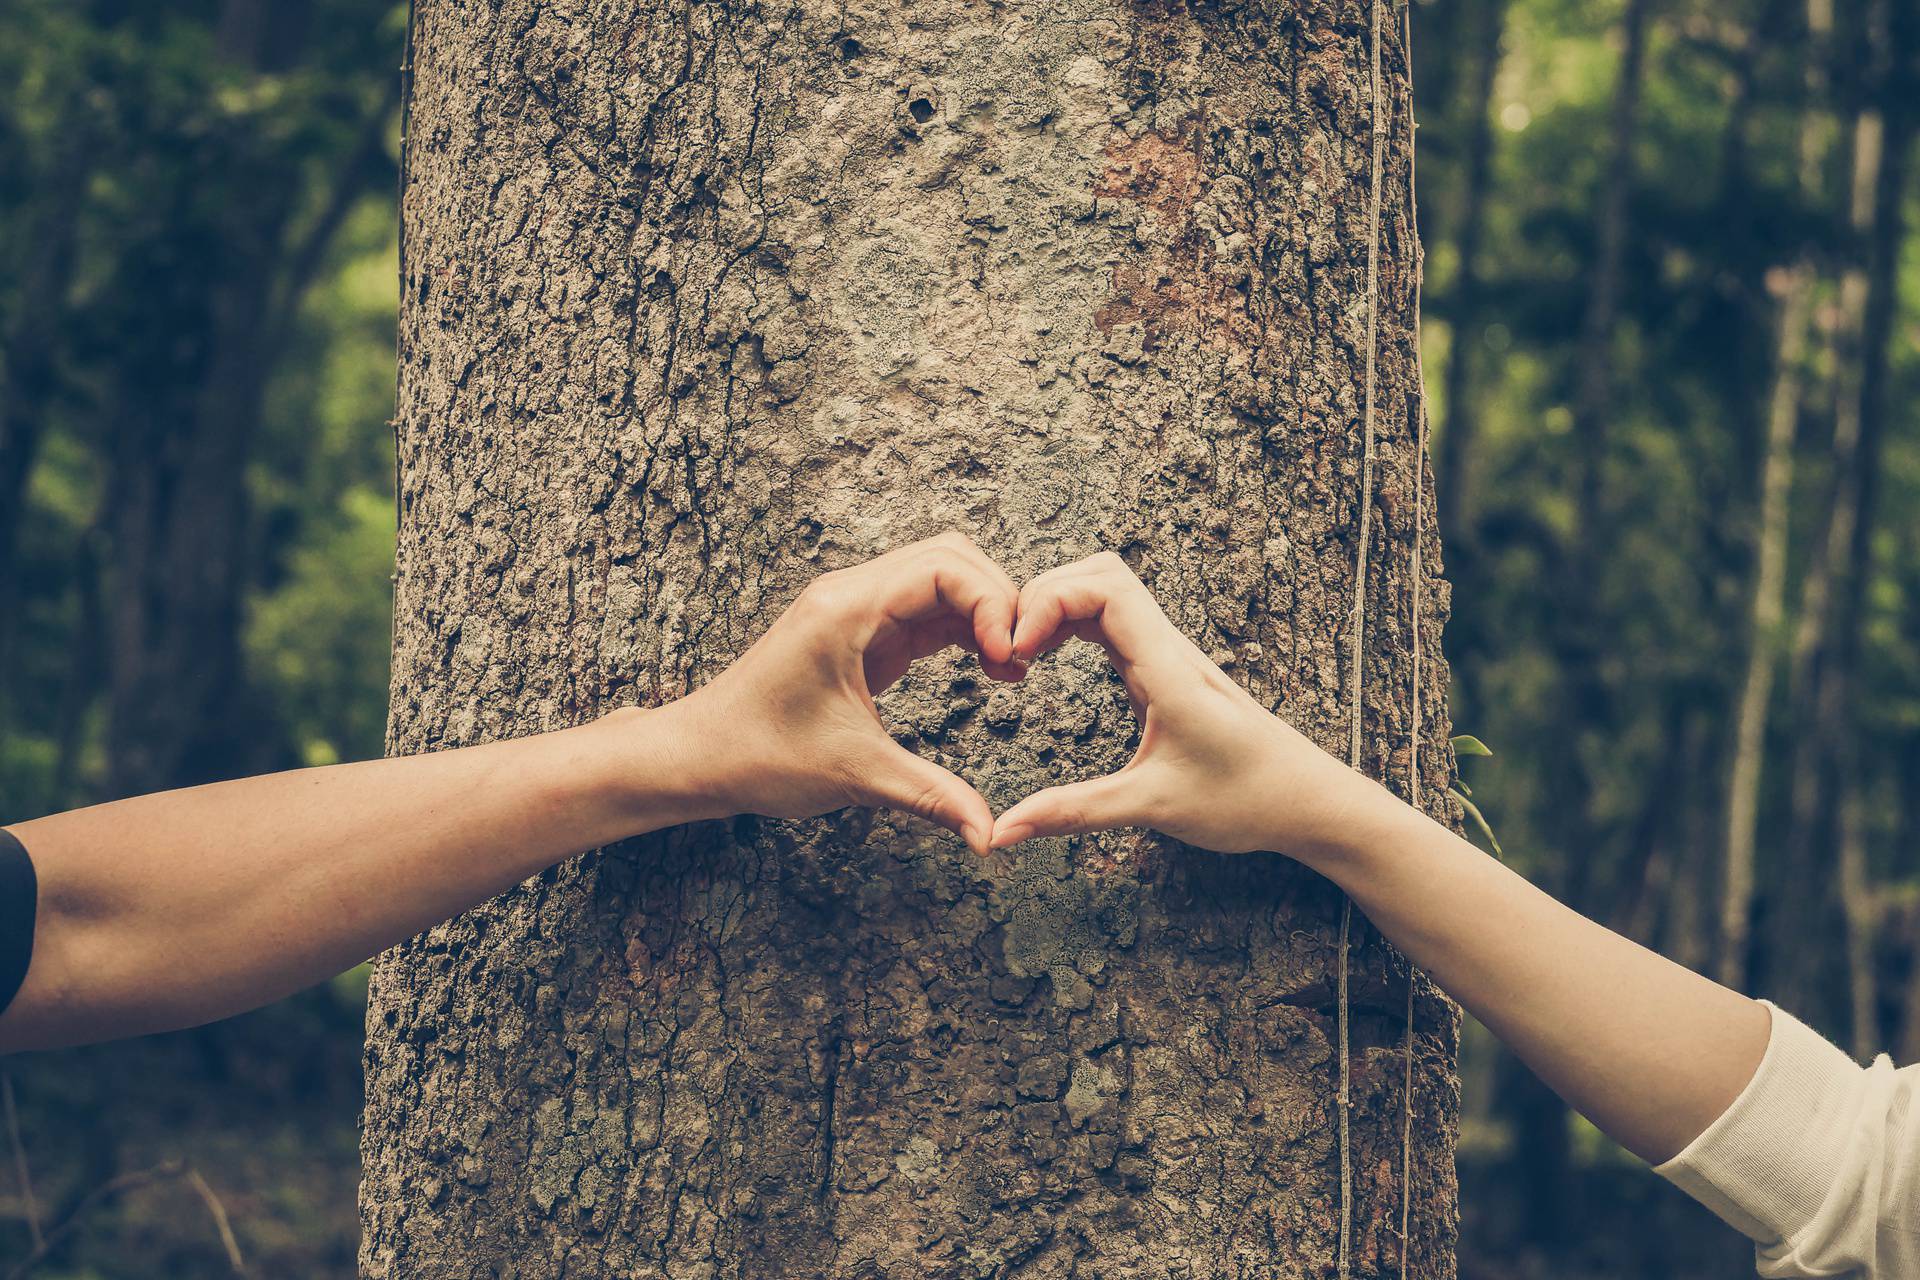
1465	744
162	152
163	168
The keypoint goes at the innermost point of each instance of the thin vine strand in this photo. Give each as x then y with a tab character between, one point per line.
1344	1030
1419	533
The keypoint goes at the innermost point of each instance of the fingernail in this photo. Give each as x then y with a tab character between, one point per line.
1011	836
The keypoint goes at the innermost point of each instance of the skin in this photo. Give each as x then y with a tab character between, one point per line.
1649	1051
242	892
168	910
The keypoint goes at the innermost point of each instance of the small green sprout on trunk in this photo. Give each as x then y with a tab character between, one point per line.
1466	744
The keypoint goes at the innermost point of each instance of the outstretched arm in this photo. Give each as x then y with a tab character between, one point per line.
1649	1051
1749	1111
168	910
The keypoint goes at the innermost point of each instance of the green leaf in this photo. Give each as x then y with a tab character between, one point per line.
1466	744
1480	821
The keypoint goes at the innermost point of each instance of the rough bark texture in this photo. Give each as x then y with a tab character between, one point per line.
702	299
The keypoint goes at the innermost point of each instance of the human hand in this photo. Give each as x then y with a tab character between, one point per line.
1214	768
790	729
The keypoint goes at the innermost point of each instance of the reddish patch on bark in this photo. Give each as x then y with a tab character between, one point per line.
1174	291
1158	170
1175	288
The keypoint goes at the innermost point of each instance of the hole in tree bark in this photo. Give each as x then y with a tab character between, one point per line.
921	110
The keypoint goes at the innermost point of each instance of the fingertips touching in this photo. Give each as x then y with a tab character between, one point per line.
993	625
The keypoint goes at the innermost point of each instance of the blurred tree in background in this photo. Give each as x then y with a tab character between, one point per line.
195	213
1673	350
196	514
1672	347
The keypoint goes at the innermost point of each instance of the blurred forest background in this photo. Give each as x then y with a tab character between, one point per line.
1673	353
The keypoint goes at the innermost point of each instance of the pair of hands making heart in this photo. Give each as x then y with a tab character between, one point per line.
796	722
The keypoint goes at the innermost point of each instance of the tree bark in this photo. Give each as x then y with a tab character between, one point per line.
700	300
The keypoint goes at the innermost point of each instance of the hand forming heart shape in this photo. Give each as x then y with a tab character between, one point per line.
802	736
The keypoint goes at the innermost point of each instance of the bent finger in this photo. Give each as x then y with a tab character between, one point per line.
945	579
1098	598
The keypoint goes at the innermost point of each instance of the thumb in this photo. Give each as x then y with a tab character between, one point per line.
899	779
1078	807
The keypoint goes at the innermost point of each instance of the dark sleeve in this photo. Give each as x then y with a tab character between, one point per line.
19	899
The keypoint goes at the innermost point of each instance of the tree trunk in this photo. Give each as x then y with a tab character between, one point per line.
1767	607
1454	467
30	352
1542	1149
1593	394
701	300
1860	907
178	514
1578	636
1828	640
188	413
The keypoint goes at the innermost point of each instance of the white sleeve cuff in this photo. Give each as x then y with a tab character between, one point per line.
1804	1160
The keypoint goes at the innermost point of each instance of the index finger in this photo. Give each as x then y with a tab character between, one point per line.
948	576
1098	598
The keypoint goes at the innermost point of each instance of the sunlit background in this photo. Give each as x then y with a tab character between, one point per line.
1638	215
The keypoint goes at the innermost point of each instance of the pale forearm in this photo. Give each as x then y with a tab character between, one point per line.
1649	1051
173	909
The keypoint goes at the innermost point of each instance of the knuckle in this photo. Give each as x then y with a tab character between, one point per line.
946	553
1046	582
829	595
919	796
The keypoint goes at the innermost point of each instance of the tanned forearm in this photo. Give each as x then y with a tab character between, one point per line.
172	909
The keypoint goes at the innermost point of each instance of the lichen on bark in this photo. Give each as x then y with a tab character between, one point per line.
701	299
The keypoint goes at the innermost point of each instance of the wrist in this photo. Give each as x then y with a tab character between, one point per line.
659	767
1347	819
